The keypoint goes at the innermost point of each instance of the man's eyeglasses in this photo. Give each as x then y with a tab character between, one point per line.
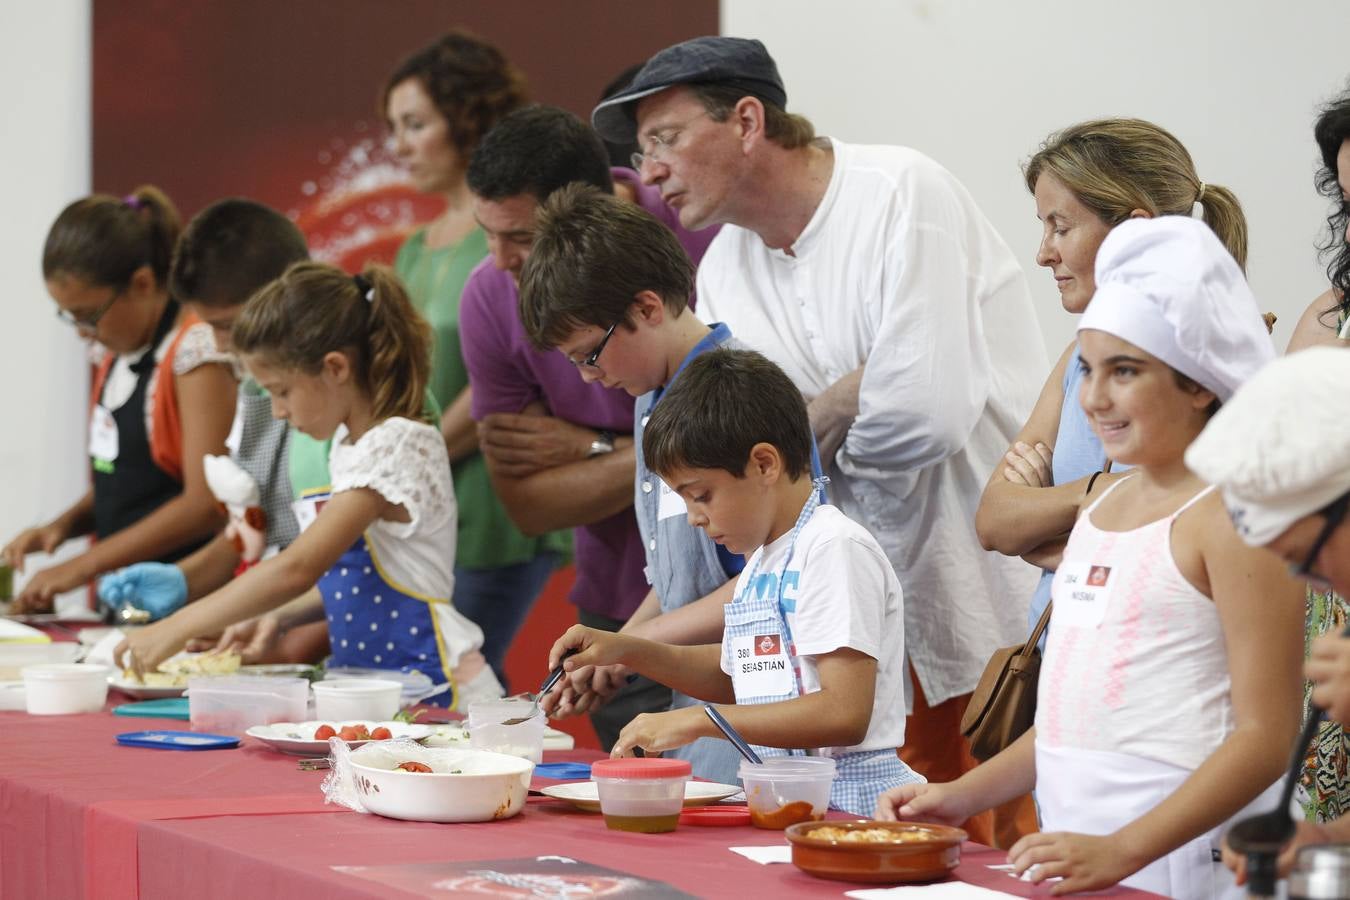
594	356
88	323
1334	515
658	145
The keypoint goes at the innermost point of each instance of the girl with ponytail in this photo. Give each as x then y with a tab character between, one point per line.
347	358
162	396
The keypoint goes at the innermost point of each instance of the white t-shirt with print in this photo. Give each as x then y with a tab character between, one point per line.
405	462
845	594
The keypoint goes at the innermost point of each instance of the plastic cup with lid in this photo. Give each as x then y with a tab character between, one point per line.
641	794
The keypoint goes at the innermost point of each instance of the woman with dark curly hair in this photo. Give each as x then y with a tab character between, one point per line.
1324	790
1324	319
438	104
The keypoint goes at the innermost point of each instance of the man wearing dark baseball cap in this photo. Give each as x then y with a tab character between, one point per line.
869	274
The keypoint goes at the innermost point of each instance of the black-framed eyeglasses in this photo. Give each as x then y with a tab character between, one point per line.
594	356
89	322
1334	514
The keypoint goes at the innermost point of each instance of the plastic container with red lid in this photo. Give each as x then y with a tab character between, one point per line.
643	794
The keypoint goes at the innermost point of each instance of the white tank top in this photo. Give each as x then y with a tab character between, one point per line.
1135	662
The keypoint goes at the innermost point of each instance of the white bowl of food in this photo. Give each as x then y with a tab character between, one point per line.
439	785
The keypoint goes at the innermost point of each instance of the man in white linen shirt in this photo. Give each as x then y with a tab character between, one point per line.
869	274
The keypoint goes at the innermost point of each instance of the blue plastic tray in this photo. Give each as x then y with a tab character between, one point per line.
177	740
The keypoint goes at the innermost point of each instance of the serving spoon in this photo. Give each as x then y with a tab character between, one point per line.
549	682
1261	837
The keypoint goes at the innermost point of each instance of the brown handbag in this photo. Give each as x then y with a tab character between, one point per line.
1003	705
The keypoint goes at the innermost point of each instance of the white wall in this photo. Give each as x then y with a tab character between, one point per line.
977	84
45	157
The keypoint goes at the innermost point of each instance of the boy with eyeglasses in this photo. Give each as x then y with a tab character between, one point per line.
608	286
558	450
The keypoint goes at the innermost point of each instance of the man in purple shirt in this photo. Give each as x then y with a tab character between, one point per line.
559	451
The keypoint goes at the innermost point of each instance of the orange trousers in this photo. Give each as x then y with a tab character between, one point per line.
935	748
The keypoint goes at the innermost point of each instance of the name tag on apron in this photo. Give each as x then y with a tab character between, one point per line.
760	666
1082	592
103	443
307	508
671	504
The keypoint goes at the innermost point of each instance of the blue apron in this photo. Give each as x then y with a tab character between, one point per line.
374	623
759	615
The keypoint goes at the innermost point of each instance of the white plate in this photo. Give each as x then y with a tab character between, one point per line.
456	735
298	737
586	794
139	691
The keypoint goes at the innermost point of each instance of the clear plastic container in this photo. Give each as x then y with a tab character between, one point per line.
786	790
17	656
525	739
356	698
231	704
58	689
644	794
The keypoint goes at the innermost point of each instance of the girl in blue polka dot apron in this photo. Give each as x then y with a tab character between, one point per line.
343	358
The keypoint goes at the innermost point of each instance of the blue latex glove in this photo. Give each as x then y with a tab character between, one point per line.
157	588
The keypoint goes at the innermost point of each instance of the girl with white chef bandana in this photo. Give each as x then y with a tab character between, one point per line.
1168	698
347	358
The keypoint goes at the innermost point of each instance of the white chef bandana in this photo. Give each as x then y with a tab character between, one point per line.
1280	449
1168	286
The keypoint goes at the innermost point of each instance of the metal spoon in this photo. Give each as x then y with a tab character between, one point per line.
549	682
1261	837
733	735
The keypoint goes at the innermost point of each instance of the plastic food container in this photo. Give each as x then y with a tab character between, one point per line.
14	658
462	786
356	698
878	852
644	794
786	790
231	704
56	689
486	731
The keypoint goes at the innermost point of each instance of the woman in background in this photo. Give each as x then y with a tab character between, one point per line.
438	104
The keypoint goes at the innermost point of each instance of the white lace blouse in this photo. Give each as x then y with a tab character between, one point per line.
406	463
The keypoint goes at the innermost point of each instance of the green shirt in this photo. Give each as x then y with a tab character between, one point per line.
435	279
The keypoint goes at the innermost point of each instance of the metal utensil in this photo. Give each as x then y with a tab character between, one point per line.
311	765
549	682
1261	837
733	735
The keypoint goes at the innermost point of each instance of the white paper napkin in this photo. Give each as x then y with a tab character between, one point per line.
947	890
777	853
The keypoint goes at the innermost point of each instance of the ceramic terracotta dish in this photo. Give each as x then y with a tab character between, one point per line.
877	852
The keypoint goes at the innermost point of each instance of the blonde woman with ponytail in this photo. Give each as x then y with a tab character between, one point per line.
1086	180
347	358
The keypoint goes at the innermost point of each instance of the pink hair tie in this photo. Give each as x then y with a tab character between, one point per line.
133	201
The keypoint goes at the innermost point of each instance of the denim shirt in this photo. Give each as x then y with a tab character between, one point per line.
683	563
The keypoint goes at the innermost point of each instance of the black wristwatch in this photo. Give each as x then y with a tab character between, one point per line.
603	443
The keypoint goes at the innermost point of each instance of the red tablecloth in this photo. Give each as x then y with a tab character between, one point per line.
81	816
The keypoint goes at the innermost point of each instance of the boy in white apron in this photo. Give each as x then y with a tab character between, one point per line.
814	636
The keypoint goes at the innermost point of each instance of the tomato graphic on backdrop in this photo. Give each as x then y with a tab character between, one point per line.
362	207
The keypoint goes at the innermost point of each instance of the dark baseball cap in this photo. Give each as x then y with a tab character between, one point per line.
737	62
